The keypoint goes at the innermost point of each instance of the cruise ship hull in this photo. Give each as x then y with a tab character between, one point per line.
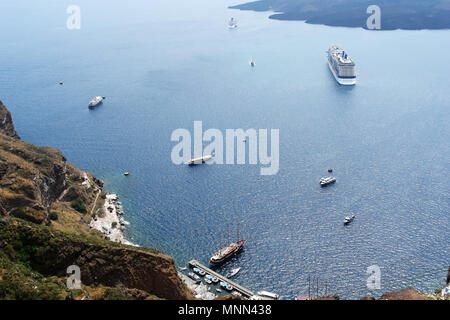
341	81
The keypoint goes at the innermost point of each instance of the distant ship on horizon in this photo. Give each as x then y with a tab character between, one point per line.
232	23
341	66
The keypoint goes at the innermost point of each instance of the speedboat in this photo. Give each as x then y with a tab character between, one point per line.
233	272
267	294
326	181
212	278
194	277
96	101
199	271
226	286
348	219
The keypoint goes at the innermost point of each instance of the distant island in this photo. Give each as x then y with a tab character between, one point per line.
395	14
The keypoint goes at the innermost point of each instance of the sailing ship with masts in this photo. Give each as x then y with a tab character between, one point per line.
226	253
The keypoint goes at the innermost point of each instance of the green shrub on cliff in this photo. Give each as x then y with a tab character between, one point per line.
78	205
53	216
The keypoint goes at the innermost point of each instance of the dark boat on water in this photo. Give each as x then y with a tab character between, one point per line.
349	219
227	253
194	277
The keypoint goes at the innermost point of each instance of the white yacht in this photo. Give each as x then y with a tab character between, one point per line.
96	101
232	23
233	272
349	219
326	181
269	295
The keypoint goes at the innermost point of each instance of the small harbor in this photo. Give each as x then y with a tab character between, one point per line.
240	290
110	221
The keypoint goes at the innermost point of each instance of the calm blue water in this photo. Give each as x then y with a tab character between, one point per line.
164	64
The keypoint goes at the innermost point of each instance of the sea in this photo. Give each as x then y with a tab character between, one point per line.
164	64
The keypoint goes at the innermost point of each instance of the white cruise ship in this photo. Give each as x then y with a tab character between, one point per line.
341	66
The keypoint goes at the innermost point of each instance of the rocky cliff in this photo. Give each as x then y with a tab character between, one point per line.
33	178
46	204
6	123
48	253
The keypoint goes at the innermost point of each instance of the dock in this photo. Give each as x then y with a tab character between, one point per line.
246	293
199	160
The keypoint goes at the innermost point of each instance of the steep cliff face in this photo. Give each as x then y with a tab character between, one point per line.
102	263
6	123
32	178
405	294
45	206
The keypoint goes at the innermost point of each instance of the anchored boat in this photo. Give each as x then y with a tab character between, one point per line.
212	278
227	253
349	219
200	160
232	23
226	286
341	66
198	271
194	277
326	181
96	101
233	272
267	294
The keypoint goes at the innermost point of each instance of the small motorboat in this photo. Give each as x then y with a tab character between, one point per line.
326	181
96	101
126	173
183	268
208	281
199	271
330	170
218	290
349	219
212	278
194	277
252	63
267	294
226	286
233	272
